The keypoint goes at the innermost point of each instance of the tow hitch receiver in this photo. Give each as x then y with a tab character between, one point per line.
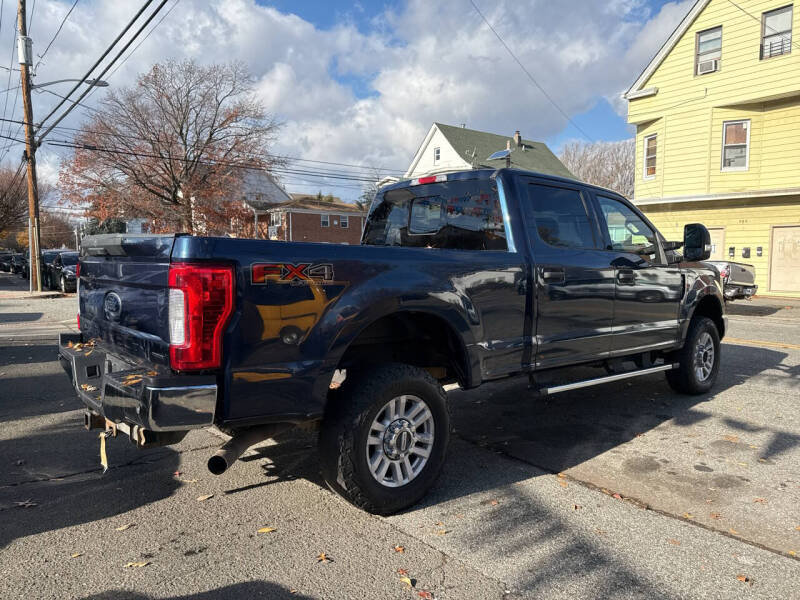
138	436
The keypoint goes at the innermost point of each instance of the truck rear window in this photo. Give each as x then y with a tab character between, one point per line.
455	215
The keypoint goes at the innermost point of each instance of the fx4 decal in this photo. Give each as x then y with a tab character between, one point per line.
299	274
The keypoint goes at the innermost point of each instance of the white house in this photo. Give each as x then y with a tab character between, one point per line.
449	148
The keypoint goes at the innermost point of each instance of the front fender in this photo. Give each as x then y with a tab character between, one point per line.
701	282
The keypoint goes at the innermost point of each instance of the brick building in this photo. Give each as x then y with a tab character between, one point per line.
308	219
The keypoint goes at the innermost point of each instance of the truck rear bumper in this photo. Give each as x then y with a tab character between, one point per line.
151	397
734	291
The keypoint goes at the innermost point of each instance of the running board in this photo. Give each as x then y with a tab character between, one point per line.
590	382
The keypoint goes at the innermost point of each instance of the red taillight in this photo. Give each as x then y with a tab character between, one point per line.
200	303
78	270
78	316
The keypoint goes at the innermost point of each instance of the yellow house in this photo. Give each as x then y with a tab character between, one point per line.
717	115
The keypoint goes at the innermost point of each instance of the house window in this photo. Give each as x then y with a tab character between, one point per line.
344	221
275	218
709	51
324	221
735	145
776	32
437	153
650	147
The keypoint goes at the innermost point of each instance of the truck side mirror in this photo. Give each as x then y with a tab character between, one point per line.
696	242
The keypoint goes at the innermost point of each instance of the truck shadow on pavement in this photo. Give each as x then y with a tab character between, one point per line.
10	317
236	591
571	428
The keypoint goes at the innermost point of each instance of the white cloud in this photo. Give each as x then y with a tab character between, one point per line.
423	62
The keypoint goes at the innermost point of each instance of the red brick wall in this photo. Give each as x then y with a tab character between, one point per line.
306	228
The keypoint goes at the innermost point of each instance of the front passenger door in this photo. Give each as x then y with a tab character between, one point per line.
648	291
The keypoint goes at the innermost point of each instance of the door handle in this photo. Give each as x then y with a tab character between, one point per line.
553	274
626	276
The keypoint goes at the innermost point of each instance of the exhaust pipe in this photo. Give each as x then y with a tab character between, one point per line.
231	450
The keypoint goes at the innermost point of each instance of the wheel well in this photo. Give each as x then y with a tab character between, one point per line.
711	308
414	338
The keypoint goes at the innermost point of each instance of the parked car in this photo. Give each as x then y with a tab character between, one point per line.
48	256
738	279
5	261
62	271
454	282
18	262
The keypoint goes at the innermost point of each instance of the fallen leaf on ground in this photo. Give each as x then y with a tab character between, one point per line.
792	553
402	571
442	531
407	581
688	516
494	502
425	595
576	507
733	532
137	565
760	500
716	515
323	558
744	579
399	549
124	527
439	523
561	475
674	542
562	483
267	530
732	438
797	528
76	554
152	373
188	480
178	473
26	504
204	497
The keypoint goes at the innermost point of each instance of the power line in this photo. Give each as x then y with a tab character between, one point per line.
531	77
103	72
755	18
99	60
289	171
58	31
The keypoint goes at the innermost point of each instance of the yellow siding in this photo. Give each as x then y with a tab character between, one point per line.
688	110
747	223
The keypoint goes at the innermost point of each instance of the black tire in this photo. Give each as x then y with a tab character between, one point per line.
685	379
346	426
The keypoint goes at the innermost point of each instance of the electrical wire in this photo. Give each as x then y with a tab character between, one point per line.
99	60
755	18
58	31
531	77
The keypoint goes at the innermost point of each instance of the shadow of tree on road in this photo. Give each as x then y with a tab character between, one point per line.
236	591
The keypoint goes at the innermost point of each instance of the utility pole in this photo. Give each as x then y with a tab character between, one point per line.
24	52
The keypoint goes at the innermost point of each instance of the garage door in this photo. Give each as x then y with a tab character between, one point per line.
717	243
784	265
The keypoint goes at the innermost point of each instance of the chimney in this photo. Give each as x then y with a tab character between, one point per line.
517	138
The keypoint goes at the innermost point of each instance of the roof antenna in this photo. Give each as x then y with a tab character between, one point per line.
473	157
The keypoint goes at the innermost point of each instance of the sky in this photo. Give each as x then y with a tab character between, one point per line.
360	83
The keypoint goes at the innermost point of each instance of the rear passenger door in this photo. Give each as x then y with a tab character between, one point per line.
648	291
574	280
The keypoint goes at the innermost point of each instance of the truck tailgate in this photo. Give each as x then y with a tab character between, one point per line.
123	293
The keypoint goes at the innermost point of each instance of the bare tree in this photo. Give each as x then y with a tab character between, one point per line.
607	164
172	147
56	229
13	201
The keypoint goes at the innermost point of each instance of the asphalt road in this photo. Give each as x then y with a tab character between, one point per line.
624	491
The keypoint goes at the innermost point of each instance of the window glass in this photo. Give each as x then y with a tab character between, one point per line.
69	259
777	32
627	231
650	146
561	217
437	153
709	50
324	220
734	145
457	215
344	221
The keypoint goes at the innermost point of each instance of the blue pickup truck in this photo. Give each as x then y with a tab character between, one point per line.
463	277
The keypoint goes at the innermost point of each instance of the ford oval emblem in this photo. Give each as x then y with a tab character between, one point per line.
112	306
